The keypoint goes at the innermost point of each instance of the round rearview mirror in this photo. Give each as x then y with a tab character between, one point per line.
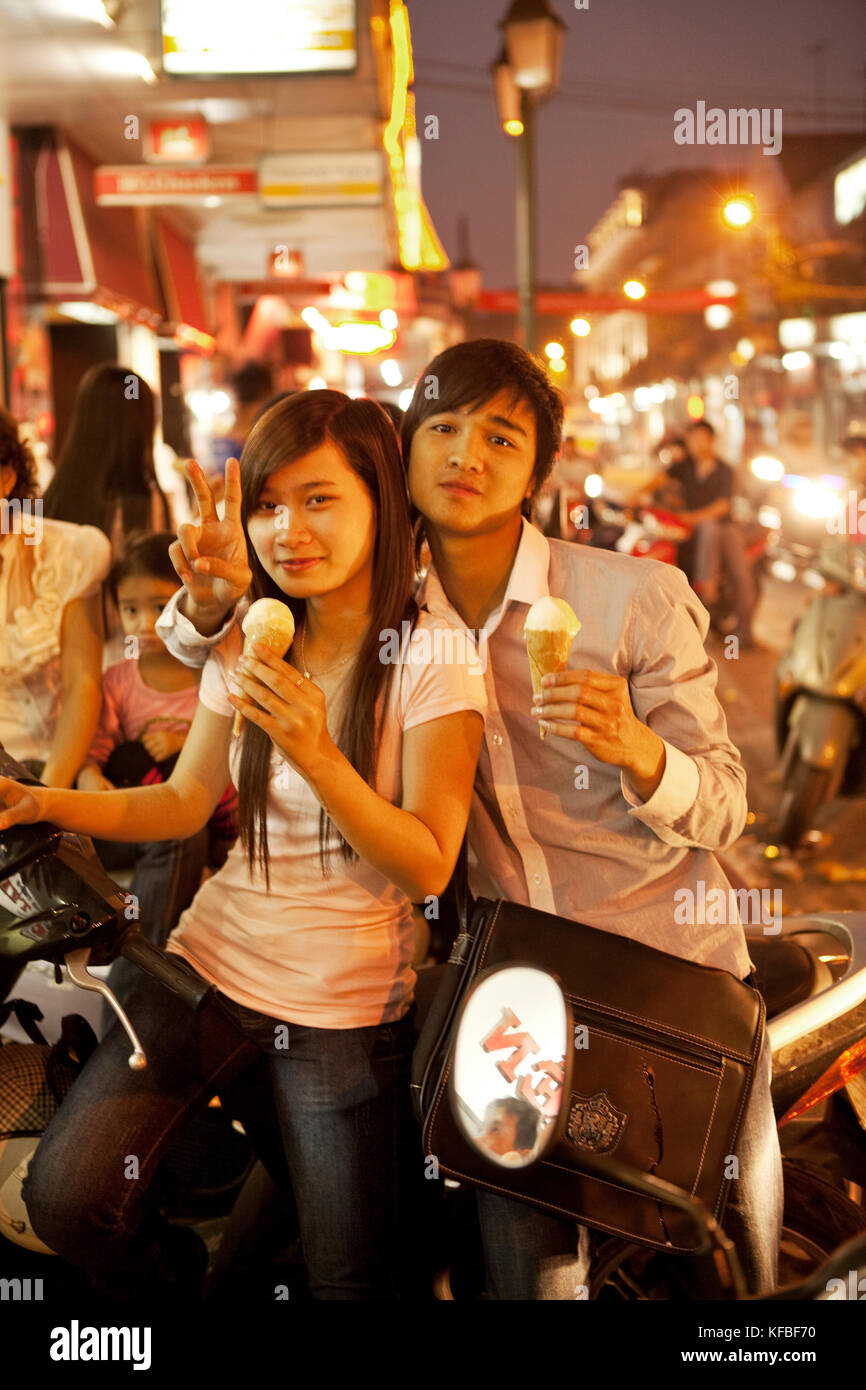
510	1063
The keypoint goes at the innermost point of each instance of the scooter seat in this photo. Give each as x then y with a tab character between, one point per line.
785	971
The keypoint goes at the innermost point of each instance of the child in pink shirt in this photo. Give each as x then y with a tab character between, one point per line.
148	703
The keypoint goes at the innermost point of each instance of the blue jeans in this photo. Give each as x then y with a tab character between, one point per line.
165	880
343	1103
531	1255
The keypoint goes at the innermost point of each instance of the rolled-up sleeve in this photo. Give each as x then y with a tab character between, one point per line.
700	801
184	641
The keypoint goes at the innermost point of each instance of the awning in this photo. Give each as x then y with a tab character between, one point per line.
79	250
177	269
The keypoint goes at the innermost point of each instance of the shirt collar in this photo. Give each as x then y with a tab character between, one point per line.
527	582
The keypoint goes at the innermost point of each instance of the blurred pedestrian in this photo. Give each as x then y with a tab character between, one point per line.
50	623
105	471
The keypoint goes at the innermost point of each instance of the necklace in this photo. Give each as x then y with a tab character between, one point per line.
308	674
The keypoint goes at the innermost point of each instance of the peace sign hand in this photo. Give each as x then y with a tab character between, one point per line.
210	556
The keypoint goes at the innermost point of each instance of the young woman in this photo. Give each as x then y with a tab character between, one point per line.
51	575
105	472
354	780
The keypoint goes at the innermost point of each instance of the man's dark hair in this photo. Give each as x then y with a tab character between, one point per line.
701	425
526	1117
252	382
394	411
470	374
144	552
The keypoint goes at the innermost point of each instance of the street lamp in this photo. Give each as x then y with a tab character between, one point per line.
526	70
739	212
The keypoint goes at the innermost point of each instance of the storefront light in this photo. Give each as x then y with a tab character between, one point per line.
389	320
717	315
796	361
85	312
360	338
391	374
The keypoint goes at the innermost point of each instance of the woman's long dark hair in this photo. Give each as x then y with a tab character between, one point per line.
107	455
290	430
15	453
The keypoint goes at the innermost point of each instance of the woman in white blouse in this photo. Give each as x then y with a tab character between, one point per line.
51	574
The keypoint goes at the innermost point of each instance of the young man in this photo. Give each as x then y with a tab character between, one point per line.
636	783
717	543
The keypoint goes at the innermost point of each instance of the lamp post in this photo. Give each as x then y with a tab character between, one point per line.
526	70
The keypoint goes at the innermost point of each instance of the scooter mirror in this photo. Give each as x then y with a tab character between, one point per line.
511	1064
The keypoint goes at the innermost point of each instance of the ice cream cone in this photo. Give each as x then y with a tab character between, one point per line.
550	629
270	622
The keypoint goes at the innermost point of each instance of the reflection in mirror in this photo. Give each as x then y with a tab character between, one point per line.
509	1064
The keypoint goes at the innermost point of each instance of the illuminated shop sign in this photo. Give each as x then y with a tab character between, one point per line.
202	38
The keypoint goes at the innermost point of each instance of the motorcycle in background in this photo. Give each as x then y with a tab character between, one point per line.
820	691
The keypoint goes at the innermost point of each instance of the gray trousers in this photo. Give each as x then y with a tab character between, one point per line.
719	546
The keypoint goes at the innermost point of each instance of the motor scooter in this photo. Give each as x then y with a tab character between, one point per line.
820	692
58	906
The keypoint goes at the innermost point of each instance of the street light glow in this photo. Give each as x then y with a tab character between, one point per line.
738	212
513	127
557	364
796	361
695	408
634	289
554	349
580	327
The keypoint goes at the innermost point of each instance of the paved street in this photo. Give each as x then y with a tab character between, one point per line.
746	690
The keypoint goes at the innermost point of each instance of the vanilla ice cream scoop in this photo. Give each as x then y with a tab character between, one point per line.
271	622
550	628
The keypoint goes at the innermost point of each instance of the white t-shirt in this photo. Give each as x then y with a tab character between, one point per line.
335	951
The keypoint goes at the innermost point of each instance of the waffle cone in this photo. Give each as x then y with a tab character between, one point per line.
279	640
547	653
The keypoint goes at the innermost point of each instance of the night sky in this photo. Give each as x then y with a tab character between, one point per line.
627	66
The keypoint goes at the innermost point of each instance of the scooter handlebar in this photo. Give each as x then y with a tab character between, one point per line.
160	965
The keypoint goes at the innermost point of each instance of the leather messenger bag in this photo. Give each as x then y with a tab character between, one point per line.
664	1059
